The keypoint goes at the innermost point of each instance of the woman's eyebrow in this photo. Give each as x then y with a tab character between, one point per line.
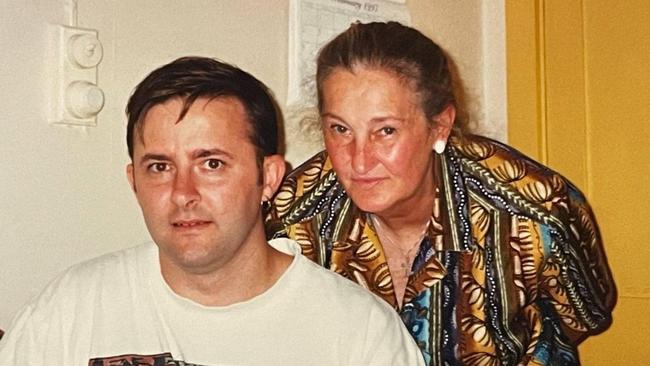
331	115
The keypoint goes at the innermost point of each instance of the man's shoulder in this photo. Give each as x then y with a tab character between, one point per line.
115	262
338	293
342	309
106	271
75	290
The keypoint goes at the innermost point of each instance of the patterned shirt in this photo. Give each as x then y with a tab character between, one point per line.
510	272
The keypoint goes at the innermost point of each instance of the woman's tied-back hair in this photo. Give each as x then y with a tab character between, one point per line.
398	49
190	78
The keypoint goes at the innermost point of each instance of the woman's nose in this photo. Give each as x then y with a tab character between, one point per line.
363	159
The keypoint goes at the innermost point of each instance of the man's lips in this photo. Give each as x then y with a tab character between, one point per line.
189	224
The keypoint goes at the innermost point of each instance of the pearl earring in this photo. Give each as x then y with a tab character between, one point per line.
439	146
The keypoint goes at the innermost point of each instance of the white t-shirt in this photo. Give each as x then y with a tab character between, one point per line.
118	308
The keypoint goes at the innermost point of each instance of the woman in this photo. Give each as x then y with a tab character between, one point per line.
489	257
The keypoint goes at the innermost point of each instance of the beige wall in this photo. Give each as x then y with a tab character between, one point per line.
63	194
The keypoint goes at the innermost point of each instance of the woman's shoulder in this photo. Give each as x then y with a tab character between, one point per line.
484	149
313	177
504	162
315	165
503	169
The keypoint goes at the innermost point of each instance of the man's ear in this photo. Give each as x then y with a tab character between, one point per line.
131	177
273	173
443	124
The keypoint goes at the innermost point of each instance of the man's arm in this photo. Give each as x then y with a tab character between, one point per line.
23	344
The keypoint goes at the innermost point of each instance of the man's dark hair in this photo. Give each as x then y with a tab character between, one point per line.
190	78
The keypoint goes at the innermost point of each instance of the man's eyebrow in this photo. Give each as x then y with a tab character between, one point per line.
149	157
204	153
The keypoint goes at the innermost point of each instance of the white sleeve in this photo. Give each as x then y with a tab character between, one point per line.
388	342
35	334
20	345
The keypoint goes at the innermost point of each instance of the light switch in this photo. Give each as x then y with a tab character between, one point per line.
85	50
75	98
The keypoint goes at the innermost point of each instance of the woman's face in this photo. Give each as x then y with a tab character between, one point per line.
378	138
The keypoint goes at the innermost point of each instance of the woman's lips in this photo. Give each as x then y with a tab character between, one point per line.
366	182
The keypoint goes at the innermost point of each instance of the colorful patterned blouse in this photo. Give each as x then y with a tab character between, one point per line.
511	271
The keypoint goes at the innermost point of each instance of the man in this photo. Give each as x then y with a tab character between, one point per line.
203	145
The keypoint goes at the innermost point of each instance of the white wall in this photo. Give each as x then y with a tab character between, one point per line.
63	194
473	33
62	191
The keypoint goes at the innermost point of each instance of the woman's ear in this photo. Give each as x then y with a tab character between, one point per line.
273	173
443	123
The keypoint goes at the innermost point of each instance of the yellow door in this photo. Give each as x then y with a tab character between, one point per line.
579	101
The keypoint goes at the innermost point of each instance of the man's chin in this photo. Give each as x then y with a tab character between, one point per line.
189	255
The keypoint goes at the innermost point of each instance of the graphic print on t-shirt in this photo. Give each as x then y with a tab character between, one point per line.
163	359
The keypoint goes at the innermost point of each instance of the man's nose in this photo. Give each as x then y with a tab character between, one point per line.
185	193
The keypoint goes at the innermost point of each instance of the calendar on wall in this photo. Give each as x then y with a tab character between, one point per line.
314	22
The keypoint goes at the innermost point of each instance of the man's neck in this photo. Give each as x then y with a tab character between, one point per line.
251	271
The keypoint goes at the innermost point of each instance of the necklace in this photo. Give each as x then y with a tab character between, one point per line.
401	258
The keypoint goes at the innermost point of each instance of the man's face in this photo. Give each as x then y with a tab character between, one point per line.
197	182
